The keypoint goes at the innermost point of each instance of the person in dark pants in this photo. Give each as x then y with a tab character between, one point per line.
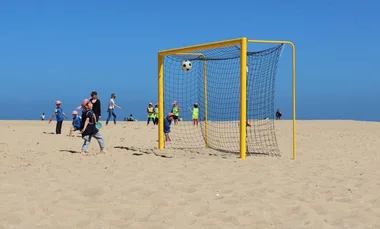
96	105
156	114
60	115
150	111
278	114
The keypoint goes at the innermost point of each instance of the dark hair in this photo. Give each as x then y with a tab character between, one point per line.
113	95
94	93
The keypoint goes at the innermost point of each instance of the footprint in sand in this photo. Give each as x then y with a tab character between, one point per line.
191	190
343	200
92	192
295	210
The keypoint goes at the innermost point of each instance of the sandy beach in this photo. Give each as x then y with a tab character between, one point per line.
334	183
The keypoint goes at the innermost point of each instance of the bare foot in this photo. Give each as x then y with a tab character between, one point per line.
102	151
84	153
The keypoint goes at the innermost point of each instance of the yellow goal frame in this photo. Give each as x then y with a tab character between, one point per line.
243	42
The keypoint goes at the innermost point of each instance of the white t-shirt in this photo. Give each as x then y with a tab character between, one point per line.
111	104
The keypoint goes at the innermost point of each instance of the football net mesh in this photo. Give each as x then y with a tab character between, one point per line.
214	83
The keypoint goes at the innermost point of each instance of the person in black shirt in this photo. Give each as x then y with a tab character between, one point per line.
88	127
97	107
278	114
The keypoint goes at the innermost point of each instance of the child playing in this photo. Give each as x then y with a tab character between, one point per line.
77	122
59	114
89	129
195	114
155	122
150	111
167	123
175	111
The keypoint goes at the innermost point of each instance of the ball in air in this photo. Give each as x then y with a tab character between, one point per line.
186	65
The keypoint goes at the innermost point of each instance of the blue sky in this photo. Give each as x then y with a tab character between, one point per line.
63	50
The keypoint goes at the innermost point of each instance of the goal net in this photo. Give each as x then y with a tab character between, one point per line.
213	82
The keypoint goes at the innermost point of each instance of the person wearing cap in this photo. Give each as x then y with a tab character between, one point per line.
76	124
111	109
88	127
167	123
83	107
96	105
175	112
60	116
150	112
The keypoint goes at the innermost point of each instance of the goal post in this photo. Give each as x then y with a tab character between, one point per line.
199	51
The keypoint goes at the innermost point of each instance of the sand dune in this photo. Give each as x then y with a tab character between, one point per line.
334	183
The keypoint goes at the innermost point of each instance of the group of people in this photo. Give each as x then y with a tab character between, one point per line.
173	115
87	123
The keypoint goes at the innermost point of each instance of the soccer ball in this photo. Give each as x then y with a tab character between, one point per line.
186	65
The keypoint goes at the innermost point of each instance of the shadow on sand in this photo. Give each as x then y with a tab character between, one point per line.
69	151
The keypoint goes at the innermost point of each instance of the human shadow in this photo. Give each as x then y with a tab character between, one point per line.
69	151
140	151
48	132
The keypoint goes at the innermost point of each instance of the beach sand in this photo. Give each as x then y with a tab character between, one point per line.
334	183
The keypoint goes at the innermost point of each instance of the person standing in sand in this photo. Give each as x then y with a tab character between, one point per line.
88	126
60	115
195	114
97	106
150	111
43	117
156	114
278	114
167	123
111	108
175	112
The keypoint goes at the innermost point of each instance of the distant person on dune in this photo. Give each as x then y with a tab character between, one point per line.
60	115
97	106
111	107
278	114
130	118
43	117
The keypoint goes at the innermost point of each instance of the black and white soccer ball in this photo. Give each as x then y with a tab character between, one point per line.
186	65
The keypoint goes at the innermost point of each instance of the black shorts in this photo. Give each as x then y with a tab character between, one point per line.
175	117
